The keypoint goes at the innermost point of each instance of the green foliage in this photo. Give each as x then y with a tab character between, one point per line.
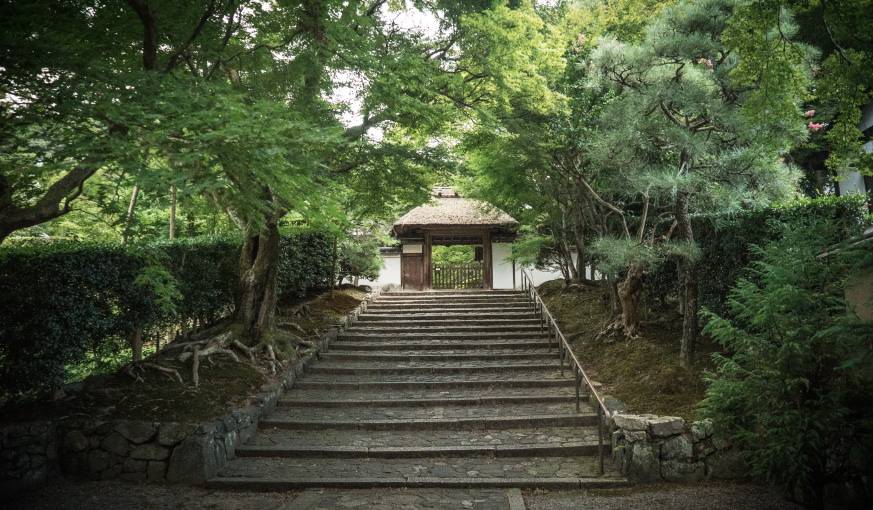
725	243
359	257
457	254
67	303
726	240
793	387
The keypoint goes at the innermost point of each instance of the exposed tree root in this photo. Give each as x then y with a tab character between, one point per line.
617	330
137	370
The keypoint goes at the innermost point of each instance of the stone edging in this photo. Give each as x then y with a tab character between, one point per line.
650	448
172	452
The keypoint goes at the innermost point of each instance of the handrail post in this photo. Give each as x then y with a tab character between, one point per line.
578	382
600	436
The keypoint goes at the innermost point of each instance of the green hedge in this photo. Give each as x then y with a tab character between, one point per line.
725	243
61	301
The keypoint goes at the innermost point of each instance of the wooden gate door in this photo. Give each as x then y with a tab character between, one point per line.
412	271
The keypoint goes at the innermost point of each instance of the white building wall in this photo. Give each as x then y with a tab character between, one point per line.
390	273
502	266
502	270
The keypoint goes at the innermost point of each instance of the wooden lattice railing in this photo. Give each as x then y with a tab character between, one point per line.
467	275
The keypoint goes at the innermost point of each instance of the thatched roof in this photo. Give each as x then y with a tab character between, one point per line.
448	209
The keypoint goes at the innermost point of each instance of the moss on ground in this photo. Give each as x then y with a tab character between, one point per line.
643	373
224	383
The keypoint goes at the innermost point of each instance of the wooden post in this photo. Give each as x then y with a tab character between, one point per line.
486	259
426	260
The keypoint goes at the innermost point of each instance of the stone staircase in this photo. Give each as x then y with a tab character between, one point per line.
442	389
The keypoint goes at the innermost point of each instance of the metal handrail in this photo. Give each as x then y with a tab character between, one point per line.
564	351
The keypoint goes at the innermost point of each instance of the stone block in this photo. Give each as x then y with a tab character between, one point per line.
157	471
150	451
666	426
643	464
137	432
134	465
133	477
633	436
701	429
189	461
98	460
115	443
75	441
171	434
677	448
632	421
682	471
726	464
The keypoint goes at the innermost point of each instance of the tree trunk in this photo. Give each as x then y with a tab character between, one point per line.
172	229
579	239
259	269
136	344
629	291
128	220
688	285
614	301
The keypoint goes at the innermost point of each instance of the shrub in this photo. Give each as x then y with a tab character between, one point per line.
61	302
359	257
725	242
794	387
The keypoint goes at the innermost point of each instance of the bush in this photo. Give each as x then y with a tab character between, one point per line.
359	258
725	242
794	387
62	302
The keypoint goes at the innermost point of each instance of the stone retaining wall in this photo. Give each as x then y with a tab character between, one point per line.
142	450
647	447
28	455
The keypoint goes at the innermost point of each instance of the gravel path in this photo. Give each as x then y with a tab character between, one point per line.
703	496
65	494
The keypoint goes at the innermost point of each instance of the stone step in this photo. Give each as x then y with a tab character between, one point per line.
379	329
411	396
333	383
492	355
448	307
272	473
393	337
367	321
497	378
422	452
461	317
454	298
548	436
431	367
476	422
465	293
434	346
412	413
449	292
424	402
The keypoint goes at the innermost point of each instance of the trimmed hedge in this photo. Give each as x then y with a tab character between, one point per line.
60	301
725	243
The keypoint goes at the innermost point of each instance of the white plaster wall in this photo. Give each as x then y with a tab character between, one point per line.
500	252
502	266
390	273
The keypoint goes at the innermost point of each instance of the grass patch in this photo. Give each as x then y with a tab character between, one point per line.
644	373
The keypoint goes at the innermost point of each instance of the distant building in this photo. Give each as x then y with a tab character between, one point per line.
449	219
